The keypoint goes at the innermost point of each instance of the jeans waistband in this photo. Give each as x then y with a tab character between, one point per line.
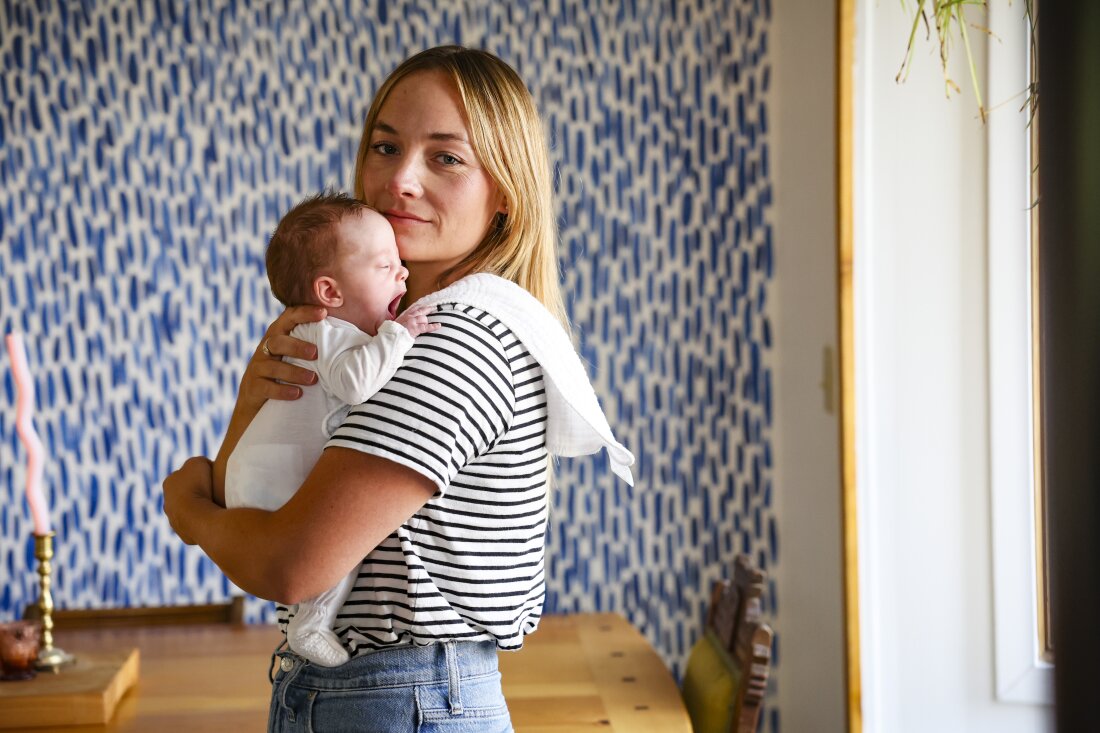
395	666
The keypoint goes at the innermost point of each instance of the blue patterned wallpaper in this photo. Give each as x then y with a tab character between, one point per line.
146	150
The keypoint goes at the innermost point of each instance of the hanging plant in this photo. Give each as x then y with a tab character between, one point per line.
948	17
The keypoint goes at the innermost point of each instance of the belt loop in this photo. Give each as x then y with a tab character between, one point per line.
271	667
454	689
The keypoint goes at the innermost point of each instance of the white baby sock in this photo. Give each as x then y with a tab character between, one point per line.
311	640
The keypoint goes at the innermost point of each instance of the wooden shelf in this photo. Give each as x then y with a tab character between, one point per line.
84	693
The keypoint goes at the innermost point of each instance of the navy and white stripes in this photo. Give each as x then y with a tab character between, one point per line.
467	408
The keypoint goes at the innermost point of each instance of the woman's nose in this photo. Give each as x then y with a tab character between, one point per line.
405	181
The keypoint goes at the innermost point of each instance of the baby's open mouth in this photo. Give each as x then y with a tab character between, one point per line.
394	304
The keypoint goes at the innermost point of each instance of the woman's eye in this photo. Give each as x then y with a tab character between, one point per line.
448	159
384	148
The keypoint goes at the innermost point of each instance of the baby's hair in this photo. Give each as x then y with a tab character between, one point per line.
304	243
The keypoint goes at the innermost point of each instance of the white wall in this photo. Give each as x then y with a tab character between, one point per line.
810	690
922	374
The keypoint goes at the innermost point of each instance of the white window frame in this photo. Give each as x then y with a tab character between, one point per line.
1022	676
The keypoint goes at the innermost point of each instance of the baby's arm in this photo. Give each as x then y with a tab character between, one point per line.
355	368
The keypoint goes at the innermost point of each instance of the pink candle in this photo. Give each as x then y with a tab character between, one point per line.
24	408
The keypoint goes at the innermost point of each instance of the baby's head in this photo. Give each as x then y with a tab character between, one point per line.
335	251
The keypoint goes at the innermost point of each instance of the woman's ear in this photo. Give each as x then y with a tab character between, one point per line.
327	292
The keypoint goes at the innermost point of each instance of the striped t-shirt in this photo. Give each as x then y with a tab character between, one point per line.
467	409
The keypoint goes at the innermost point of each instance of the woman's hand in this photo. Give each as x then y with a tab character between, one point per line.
267	376
188	487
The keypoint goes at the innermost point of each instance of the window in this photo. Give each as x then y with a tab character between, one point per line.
1024	671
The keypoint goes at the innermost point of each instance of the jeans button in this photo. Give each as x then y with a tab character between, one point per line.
286	664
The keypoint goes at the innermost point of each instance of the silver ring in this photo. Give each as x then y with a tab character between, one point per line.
264	348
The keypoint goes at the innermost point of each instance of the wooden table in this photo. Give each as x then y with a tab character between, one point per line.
576	673
590	672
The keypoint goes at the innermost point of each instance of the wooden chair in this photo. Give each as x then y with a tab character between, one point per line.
727	670
231	612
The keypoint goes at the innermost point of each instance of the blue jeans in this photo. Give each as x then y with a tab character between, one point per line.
451	687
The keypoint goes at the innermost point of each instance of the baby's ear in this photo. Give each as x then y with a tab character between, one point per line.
327	292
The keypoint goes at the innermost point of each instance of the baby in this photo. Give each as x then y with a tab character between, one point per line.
334	251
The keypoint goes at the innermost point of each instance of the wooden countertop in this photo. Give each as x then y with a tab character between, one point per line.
590	672
576	673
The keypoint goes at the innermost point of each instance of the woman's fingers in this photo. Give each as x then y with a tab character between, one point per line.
190	482
284	345
296	314
276	391
267	376
278	340
271	378
278	370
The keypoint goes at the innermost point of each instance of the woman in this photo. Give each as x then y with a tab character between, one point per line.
436	487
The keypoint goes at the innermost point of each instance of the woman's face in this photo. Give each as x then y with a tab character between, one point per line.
421	172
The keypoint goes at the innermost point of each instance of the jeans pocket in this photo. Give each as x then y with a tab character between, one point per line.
386	710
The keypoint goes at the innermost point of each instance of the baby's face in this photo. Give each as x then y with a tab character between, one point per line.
368	271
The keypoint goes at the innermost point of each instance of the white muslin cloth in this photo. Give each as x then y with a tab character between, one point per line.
576	424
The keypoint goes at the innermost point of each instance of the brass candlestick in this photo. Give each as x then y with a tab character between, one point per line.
50	658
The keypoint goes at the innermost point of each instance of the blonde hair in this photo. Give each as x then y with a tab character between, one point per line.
508	137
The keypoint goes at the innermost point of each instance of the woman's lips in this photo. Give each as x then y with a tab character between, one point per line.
403	217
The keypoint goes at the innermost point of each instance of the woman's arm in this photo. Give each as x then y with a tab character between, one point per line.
268	377
350	503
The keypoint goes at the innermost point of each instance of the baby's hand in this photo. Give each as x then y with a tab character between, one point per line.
415	320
